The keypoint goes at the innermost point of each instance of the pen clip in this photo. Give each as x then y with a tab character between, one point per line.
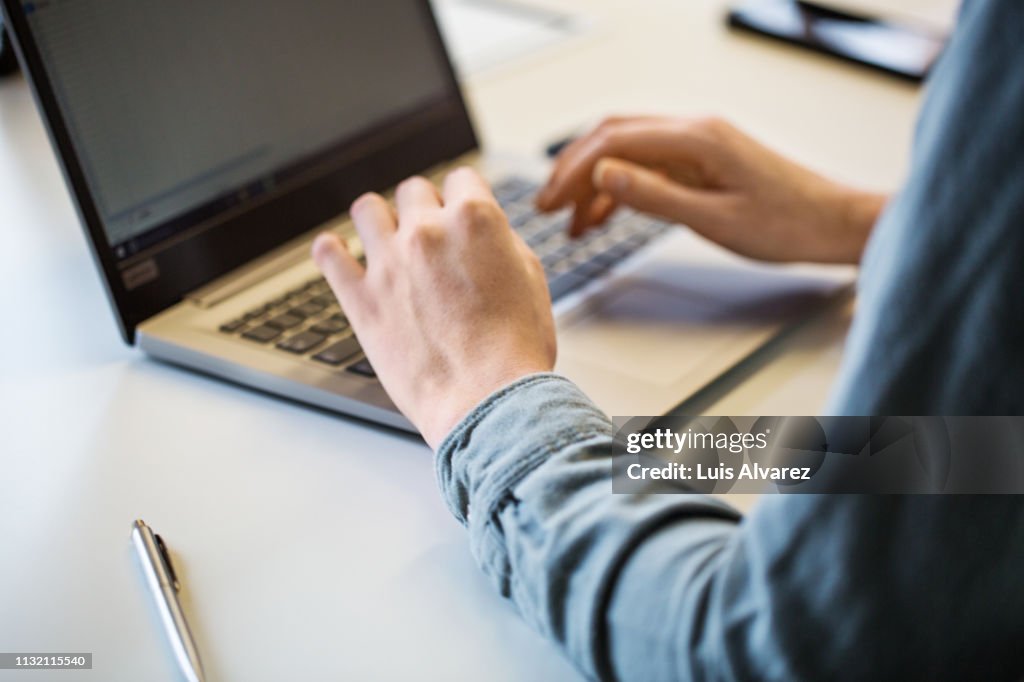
162	548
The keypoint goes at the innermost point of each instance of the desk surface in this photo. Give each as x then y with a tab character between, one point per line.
311	546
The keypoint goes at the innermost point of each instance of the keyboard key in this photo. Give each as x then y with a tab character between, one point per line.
571	263
324	300
614	255
363	368
233	326
548	237
307	309
262	334
557	256
339	352
258	310
520	214
302	343
512	188
285	321
330	326
589	269
581	255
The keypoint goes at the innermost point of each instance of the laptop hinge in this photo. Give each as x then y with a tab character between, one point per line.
260	269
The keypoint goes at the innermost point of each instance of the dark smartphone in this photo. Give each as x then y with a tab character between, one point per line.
901	49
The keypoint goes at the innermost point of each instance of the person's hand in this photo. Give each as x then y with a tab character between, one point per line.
708	175
451	306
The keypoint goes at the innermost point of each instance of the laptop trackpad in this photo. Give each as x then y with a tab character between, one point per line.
657	330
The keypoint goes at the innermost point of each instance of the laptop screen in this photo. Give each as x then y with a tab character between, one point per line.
177	119
179	106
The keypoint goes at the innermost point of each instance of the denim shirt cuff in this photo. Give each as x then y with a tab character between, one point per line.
475	461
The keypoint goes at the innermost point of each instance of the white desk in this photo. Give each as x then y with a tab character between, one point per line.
313	547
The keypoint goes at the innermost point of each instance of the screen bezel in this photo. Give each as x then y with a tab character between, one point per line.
187	264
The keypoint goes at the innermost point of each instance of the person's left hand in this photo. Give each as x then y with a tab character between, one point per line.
451	306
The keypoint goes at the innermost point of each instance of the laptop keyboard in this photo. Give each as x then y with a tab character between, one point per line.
571	263
306	320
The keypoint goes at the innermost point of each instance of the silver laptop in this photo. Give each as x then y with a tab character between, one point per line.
205	144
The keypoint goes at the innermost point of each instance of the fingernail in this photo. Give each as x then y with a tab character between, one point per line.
610	178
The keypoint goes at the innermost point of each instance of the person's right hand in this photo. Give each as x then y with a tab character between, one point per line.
723	184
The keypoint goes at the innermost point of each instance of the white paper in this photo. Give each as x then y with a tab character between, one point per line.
483	34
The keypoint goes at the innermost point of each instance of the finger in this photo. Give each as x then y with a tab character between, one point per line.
573	149
590	212
415	196
645	141
583	206
465	184
651	192
341	270
374	221
602	209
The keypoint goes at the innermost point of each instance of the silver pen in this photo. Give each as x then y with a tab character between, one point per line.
163	584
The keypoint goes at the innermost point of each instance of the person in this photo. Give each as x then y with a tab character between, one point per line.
453	312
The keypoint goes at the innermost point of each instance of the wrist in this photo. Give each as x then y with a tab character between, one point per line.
847	217
448	405
859	213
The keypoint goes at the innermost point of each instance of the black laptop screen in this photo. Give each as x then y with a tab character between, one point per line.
180	111
198	135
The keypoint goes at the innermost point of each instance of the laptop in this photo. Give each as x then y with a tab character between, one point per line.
206	144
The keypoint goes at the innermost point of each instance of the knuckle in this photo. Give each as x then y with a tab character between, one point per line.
605	135
610	139
478	213
364	201
416	219
713	125
410	183
425	236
